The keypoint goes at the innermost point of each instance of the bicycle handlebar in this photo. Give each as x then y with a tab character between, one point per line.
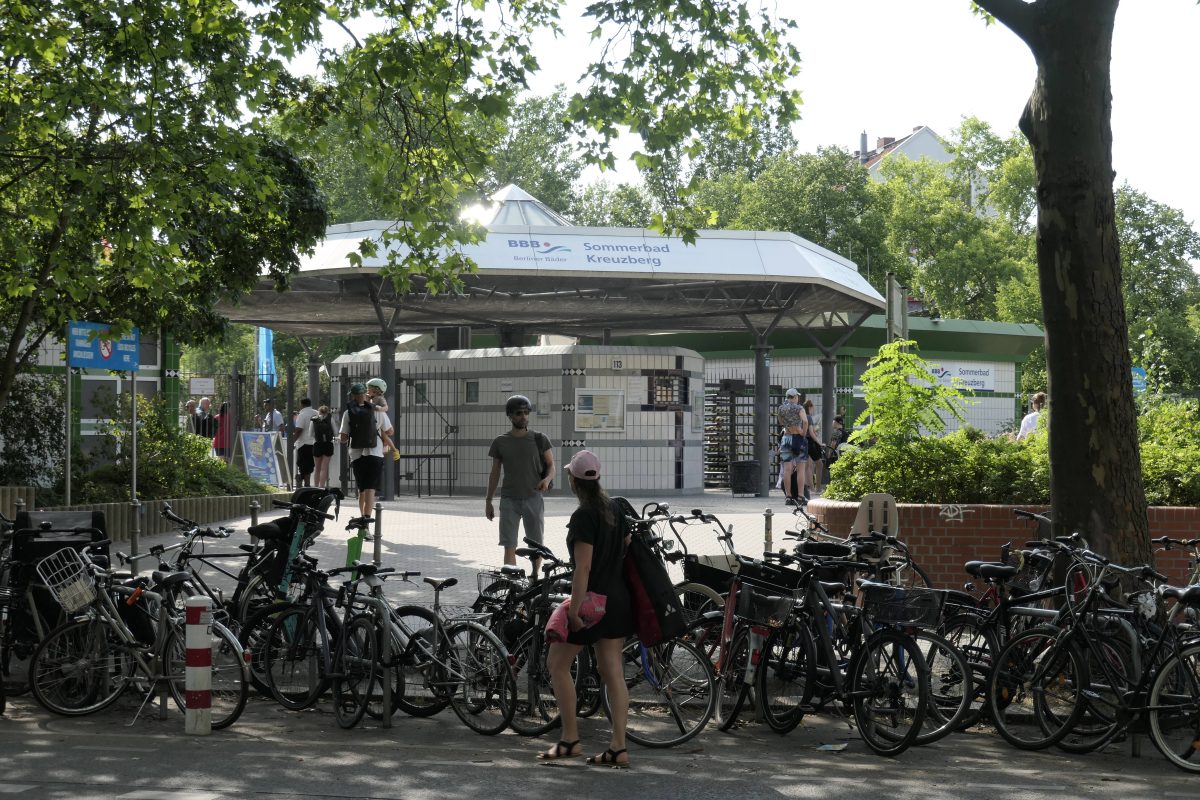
1167	541
301	508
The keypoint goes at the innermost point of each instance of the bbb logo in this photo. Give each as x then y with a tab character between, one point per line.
542	248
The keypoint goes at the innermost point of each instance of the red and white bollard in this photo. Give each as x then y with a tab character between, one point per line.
198	682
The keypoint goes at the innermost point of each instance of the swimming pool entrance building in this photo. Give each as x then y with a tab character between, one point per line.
652	321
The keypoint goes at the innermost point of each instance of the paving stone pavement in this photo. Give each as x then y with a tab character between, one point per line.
273	753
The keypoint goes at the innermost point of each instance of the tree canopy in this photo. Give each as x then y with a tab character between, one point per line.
147	161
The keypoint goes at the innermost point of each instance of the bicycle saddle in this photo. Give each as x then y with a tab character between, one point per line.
441	583
989	571
169	578
1189	596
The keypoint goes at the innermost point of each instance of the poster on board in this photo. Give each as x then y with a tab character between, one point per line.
599	409
261	455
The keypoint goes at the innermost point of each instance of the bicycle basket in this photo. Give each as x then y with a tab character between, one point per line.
67	578
763	609
464	614
894	605
711	571
493	583
811	547
1033	573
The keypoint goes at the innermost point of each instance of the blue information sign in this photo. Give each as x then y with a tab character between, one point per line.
1139	380
261	454
89	345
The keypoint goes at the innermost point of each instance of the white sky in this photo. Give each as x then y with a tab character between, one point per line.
886	67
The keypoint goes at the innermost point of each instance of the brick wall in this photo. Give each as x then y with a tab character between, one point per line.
942	538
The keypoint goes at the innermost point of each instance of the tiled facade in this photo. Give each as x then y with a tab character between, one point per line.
990	411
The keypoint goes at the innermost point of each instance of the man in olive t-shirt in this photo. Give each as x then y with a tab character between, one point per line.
527	462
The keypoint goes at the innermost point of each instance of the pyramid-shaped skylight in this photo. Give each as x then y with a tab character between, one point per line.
512	205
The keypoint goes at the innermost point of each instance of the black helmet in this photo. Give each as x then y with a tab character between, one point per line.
516	403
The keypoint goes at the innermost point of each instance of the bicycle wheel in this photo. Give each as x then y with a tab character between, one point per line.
951	687
973	637
705	635
255	595
391	667
1175	709
889	689
419	695
1111	678
672	693
254	637
732	687
698	599
537	708
20	641
230	677
484	690
1035	691
786	672
292	658
80	668
355	670
588	685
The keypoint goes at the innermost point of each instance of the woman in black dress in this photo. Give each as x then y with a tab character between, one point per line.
597	543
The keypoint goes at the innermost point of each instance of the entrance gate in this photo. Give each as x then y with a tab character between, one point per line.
426	422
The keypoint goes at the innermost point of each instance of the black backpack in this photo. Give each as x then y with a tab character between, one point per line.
364	433
657	611
322	428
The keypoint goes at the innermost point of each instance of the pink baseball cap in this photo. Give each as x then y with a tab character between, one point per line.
584	466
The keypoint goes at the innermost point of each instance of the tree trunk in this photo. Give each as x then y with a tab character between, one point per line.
1095	466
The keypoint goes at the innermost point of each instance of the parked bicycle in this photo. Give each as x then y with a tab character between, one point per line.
87	663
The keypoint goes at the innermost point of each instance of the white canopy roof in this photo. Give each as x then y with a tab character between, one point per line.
557	278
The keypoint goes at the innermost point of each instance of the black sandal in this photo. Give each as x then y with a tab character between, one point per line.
558	751
609	759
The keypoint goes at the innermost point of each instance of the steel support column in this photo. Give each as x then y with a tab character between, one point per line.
762	412
828	402
387	370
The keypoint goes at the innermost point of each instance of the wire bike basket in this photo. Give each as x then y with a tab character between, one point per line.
896	605
761	608
66	576
1033	572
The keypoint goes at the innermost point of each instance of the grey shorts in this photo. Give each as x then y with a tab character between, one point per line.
514	510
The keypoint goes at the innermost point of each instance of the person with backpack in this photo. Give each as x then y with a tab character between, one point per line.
596	539
363	428
303	438
322	434
376	394
525	458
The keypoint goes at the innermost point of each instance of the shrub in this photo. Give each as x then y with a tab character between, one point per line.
1169	434
31	432
969	467
963	467
171	463
904	399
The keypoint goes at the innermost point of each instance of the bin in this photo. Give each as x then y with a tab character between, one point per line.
744	477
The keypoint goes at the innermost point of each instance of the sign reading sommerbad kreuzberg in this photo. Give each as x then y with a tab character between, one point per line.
90	345
578	251
972	376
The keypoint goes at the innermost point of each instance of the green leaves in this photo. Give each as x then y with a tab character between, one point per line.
133	134
904	399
